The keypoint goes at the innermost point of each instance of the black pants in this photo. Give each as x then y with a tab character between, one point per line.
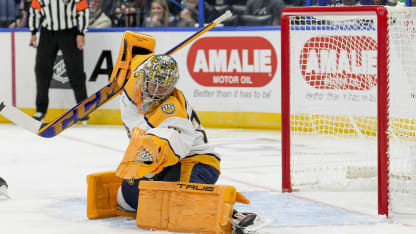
49	44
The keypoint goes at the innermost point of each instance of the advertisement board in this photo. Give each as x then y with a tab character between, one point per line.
339	70
238	69
6	76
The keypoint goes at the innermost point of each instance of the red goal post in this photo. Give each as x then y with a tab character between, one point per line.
334	61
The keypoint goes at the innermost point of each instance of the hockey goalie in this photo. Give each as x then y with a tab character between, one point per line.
167	175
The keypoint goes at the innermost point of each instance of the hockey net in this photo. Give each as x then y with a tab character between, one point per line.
349	102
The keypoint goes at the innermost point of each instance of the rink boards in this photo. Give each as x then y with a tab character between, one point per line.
238	69
232	77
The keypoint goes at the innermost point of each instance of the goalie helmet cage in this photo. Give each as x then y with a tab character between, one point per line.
348	102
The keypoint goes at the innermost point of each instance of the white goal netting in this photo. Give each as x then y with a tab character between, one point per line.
334	103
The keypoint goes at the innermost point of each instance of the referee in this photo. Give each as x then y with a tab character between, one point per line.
63	24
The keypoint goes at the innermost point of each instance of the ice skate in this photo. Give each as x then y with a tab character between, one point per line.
248	223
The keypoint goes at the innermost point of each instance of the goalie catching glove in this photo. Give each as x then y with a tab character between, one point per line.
146	154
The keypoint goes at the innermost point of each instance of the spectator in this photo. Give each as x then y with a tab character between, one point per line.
351	2
98	19
385	2
375	2
266	7
128	13
175	6
301	2
210	13
21	21
107	6
187	18
9	10
160	15
65	32
25	14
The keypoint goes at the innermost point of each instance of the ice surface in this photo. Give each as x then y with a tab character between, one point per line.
47	183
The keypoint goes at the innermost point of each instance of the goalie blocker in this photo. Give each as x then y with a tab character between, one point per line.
171	206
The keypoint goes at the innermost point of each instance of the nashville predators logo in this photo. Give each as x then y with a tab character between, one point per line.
130	181
168	108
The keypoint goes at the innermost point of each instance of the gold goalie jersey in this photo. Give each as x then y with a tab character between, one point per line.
173	114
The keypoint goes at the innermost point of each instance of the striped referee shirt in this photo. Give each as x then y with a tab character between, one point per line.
55	15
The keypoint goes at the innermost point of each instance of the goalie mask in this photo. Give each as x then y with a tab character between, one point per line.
160	75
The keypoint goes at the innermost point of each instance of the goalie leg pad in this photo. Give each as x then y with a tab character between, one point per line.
102	196
185	207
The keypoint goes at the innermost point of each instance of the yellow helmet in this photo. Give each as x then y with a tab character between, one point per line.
160	75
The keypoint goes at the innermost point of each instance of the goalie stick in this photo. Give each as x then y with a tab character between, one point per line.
90	104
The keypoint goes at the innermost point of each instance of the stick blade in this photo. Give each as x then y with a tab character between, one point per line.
19	117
